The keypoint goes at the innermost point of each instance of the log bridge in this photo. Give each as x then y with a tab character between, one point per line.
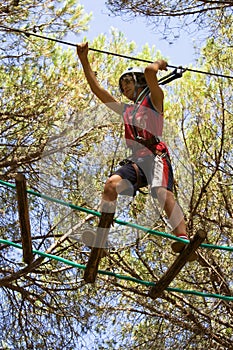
157	290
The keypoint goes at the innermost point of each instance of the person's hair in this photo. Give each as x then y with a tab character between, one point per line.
141	81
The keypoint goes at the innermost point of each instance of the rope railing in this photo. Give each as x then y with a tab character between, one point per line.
119	276
120	222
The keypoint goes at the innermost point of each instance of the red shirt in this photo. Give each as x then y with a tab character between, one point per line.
148	122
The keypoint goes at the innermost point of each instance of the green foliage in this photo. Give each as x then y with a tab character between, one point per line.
170	18
66	143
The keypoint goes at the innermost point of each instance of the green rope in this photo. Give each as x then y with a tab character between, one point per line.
118	276
120	222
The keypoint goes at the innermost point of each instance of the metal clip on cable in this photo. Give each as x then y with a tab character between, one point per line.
175	74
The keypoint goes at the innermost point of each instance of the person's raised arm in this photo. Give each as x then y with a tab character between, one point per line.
96	88
151	78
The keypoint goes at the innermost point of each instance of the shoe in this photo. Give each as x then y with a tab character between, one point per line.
89	239
178	247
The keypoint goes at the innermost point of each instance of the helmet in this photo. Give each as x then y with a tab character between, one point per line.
132	70
138	75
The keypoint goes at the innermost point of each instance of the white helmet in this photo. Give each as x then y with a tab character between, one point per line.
138	75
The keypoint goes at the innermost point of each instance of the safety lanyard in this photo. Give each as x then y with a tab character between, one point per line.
142	95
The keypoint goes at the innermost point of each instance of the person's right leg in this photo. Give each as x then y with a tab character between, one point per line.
99	239
113	186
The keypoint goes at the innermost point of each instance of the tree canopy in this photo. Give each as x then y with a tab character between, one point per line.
55	132
169	17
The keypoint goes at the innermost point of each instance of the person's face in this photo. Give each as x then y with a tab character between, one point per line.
128	86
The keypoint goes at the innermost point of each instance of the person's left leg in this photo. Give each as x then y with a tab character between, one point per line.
173	211
176	219
162	185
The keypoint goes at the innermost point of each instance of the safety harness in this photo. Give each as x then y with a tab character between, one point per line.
154	140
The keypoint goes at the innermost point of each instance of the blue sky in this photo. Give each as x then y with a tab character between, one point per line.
179	53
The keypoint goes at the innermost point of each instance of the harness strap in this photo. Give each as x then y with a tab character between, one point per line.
138	103
137	174
154	140
135	166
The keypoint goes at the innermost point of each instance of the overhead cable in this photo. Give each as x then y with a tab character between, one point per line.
109	52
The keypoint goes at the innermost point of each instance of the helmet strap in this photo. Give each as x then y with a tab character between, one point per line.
135	86
142	94
135	91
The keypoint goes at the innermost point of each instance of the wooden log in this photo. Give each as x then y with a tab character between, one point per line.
24	218
98	251
177	265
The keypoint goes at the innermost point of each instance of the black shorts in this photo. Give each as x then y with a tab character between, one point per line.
153	170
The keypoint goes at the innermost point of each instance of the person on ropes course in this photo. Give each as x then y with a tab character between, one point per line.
150	162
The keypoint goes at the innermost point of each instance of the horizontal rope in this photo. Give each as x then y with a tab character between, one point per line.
118	276
109	53
120	222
